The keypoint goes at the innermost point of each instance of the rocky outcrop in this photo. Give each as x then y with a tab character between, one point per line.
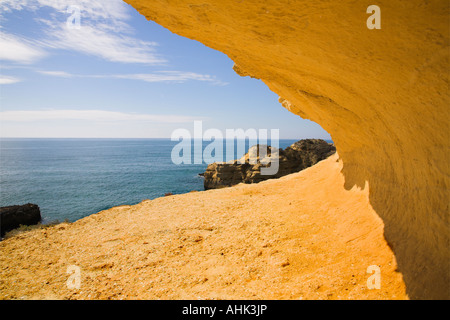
13	216
382	94
300	155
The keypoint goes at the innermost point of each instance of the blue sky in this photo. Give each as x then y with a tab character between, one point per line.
117	75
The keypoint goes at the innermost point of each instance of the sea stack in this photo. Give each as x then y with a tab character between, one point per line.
300	155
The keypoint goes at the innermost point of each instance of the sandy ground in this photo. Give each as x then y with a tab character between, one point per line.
302	236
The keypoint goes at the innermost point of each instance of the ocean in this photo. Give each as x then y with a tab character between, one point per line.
72	178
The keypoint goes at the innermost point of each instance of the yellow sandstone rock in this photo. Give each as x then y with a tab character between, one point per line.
382	94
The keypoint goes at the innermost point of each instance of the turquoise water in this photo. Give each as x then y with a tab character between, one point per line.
73	178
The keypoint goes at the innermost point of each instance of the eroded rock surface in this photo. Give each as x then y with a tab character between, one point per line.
300	155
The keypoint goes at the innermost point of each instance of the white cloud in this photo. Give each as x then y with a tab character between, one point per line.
103	32
61	74
158	76
8	80
95	9
17	49
170	76
89	115
91	40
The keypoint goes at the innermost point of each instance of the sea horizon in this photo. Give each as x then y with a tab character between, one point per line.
122	138
71	178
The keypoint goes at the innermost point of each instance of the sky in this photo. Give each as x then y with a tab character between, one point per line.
99	69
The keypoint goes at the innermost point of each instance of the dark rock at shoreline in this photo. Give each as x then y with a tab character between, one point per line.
13	216
300	155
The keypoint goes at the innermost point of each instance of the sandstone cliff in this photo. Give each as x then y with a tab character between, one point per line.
383	95
300	155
